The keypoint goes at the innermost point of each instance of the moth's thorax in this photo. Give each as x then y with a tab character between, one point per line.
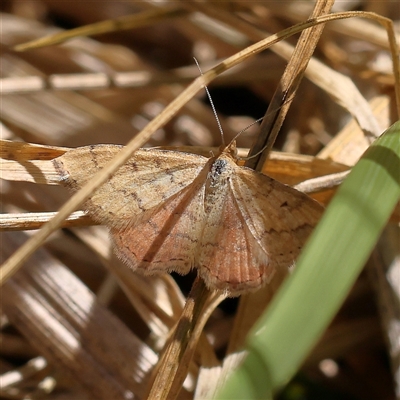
217	171
221	170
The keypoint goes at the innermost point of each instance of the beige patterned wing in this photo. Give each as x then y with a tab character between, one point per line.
148	179
279	217
229	256
167	240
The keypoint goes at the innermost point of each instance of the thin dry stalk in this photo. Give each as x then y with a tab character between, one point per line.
173	364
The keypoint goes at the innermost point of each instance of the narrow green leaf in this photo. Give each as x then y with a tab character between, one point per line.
326	271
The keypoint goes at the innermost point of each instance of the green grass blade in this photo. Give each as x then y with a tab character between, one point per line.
326	270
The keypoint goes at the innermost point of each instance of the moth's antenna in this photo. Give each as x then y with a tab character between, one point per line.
260	119
254	155
247	127
212	106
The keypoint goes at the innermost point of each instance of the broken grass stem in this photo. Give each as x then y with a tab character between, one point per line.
174	363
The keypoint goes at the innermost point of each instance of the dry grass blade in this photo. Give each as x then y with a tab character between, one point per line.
317	184
174	362
284	94
28	151
126	22
354	28
212	378
29	171
29	221
350	143
58	303
136	79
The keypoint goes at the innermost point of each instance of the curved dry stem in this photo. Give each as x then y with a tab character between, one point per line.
174	362
126	22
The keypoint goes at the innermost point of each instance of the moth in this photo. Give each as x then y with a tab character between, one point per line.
173	211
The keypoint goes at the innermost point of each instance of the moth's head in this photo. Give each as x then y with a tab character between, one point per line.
229	149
